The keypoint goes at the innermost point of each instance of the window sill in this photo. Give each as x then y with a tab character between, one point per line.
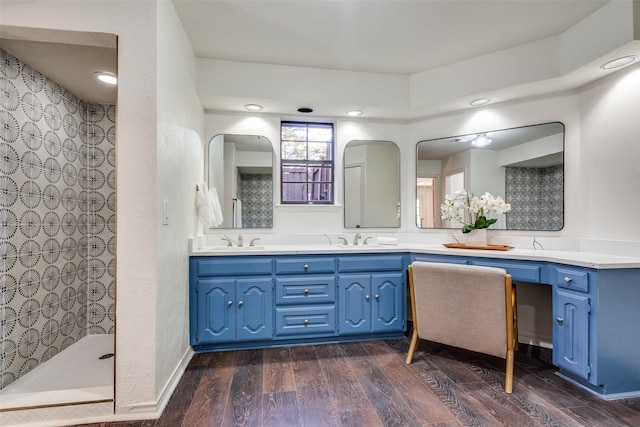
325	208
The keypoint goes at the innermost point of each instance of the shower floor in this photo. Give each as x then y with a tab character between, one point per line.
74	375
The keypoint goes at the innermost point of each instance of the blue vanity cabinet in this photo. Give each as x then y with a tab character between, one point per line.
231	300
234	310
571	332
372	294
305	300
574	289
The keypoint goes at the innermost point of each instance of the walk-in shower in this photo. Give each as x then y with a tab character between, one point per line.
57	238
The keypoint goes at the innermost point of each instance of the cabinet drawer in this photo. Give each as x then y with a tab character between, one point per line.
234	266
518	271
305	320
300	265
370	263
306	290
575	279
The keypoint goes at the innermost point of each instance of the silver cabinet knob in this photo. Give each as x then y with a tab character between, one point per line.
376	296
306	267
559	319
240	303
306	291
567	279
306	321
367	297
230	303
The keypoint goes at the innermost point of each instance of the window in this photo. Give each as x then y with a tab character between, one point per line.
307	163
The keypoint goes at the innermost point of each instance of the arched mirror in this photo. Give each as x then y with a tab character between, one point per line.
240	168
371	184
523	165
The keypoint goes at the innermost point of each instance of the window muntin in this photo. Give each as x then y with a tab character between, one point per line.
307	163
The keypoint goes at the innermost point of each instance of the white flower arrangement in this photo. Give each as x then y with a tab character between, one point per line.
471	211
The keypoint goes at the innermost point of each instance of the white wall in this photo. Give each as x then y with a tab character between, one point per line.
609	159
179	168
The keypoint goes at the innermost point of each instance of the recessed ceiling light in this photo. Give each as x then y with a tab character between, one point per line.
481	141
619	62
107	77
480	101
253	107
354	113
305	110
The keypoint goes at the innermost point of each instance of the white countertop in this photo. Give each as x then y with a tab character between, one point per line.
582	259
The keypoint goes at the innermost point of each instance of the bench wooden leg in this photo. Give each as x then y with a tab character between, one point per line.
412	346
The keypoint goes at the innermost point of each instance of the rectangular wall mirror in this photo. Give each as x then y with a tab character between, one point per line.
371	184
525	166
240	168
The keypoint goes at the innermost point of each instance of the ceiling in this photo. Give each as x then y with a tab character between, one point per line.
70	58
399	37
387	37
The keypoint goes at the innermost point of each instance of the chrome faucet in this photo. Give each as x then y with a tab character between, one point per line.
230	242
343	240
366	240
253	241
240	240
356	238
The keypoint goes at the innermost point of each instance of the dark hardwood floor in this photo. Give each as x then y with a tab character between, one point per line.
368	384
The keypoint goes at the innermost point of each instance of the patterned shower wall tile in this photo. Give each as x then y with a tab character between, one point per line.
536	198
53	174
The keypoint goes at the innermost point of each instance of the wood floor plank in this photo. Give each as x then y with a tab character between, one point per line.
360	418
280	409
314	399
614	409
585	414
209	401
306	367
389	405
346	392
468	410
499	405
426	407
536	405
277	371
244	404
180	399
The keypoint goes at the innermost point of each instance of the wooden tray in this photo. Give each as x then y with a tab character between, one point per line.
486	248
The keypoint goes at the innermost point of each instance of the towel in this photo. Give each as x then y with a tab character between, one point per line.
387	241
208	206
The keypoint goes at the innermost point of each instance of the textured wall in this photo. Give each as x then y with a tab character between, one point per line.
57	218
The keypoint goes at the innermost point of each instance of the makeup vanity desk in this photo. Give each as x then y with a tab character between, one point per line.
324	293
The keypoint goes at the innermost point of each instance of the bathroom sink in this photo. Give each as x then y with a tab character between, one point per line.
235	248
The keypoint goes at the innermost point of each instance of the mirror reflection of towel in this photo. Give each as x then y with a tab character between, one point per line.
237	214
217	210
208	206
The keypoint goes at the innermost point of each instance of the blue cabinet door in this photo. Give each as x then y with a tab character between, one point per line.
388	302
571	332
254	309
231	310
355	303
216	311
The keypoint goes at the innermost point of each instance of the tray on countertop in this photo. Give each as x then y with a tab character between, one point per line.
486	248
